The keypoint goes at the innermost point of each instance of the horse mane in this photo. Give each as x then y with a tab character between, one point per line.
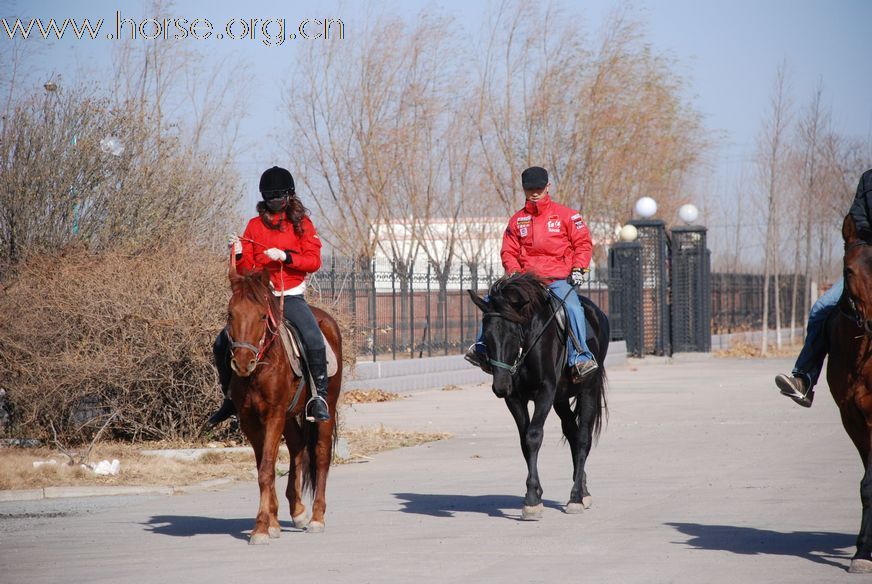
252	286
518	297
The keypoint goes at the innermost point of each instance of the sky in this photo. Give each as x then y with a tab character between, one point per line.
728	52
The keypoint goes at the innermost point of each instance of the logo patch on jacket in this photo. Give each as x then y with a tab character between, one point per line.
554	224
524	225
579	222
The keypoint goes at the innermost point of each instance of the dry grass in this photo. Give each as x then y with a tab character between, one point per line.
17	470
364	442
368	396
744	350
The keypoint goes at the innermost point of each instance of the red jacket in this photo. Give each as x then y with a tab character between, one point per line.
547	239
305	252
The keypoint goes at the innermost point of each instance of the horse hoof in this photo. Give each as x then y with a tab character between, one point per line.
574	508
586	501
860	566
275	532
532	513
258	539
315	527
300	521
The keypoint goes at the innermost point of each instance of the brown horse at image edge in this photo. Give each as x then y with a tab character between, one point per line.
849	371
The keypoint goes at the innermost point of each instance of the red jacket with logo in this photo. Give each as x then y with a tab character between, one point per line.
547	239
305	251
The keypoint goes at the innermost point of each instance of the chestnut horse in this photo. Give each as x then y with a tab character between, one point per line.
849	372
270	405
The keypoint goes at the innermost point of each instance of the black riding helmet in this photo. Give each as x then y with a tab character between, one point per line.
276	185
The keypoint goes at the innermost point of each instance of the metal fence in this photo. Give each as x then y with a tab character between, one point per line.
397	315
737	301
410	314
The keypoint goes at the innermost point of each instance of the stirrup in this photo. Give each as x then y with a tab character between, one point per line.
310	418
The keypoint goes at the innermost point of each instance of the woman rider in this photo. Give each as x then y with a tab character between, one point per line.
281	240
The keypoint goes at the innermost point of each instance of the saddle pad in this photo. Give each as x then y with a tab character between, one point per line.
292	345
562	317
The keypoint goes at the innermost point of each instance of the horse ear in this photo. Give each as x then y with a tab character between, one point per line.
849	229
233	274
478	301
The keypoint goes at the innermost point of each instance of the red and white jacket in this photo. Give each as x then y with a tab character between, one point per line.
304	253
547	239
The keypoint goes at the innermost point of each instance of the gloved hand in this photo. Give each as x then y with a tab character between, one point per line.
235	242
576	277
276	255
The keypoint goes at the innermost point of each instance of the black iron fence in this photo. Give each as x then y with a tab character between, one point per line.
416	313
737	301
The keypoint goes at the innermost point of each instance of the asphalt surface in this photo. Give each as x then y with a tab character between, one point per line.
704	473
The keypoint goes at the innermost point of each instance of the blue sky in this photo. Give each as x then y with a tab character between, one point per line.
728	52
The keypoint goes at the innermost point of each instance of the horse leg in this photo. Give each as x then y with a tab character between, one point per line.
266	524
294	491
531	433
577	503
323	454
855	424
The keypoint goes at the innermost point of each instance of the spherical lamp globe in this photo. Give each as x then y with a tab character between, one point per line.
646	207
628	233
688	213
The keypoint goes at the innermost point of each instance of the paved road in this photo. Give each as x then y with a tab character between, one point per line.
704	474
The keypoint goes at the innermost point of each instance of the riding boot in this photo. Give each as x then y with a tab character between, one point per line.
797	387
477	357
316	408
222	364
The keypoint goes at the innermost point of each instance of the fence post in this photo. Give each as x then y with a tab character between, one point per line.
372	314
626	295
354	305
394	311
462	306
429	331
655	284
691	290
411	287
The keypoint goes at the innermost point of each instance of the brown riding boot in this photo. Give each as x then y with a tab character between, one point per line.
796	388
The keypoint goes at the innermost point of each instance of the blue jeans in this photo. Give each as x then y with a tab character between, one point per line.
576	322
811	359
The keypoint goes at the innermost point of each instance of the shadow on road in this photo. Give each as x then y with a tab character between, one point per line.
821	547
448	505
189	526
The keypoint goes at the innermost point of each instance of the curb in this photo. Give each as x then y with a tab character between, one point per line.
98	491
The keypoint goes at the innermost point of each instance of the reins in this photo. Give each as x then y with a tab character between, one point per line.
852	304
513	368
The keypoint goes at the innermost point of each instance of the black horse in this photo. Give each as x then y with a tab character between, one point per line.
528	352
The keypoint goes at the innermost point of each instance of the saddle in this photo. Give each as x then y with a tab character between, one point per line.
292	344
561	318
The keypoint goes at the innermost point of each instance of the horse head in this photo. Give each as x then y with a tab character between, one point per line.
252	323
508	310
858	275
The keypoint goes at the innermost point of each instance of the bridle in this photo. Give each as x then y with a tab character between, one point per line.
269	334
852	304
513	368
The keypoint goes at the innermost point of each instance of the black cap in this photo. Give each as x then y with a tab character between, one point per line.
534	178
276	181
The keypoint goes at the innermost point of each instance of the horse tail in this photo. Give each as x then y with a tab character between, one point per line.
311	431
596	388
601	411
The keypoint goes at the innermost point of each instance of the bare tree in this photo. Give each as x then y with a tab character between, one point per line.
772	149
